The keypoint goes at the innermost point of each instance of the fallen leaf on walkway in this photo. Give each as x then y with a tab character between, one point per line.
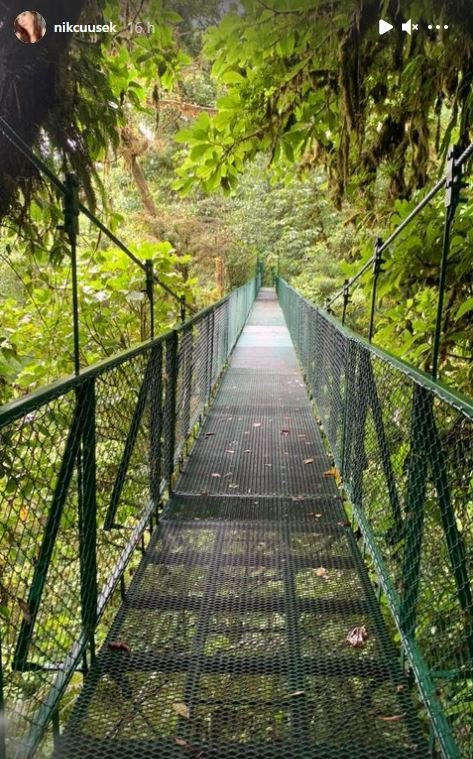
400	688
118	645
229	450
357	636
313	514
182	710
268	465
233	485
209	434
215	474
24	610
308	461
257	424
321	572
332	472
394	718
248	450
284	432
193	750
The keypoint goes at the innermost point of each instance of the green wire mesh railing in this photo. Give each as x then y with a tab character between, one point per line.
404	447
84	465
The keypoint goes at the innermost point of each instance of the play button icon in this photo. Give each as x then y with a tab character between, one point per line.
384	26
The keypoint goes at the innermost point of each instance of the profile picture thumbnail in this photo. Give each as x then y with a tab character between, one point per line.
30	27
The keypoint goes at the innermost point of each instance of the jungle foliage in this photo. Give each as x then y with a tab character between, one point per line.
298	135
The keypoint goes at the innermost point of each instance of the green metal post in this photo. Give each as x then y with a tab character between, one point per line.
71	227
455	541
156	422
377	264
453	188
415	501
88	515
210	347
182	309
129	447
150	294
172	370
187	370
49	538
350	375
346	299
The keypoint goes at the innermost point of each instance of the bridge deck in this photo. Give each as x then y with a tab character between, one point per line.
241	607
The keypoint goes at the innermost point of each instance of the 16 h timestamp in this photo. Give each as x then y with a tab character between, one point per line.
140	27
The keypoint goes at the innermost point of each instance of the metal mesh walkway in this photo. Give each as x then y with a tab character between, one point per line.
232	639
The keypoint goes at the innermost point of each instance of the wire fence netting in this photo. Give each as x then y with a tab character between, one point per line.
403	447
84	465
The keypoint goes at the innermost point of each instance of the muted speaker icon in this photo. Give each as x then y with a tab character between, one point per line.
407	27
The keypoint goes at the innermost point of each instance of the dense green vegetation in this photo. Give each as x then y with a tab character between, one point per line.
289	131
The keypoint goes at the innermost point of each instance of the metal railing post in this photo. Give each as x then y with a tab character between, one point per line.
453	187
346	299
71	228
377	269
172	369
156	423
182	309
88	513
150	293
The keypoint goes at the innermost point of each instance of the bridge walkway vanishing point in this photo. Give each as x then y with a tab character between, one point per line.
232	638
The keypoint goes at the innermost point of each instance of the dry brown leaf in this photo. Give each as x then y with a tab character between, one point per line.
308	461
209	434
24	610
357	636
182	710
189	748
118	645
284	432
321	572
394	718
332	472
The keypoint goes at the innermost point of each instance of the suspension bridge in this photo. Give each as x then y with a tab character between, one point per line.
252	537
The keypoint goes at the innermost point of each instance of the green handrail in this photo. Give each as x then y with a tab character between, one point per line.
84	466
404	444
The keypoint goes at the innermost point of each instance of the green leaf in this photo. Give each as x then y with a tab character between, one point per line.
465	308
233	77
